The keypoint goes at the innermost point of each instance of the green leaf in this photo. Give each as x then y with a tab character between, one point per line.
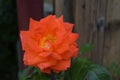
86	48
78	69
83	69
36	77
97	72
41	76
33	73
24	74
115	69
44	76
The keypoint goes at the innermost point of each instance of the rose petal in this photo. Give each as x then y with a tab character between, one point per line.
62	65
44	54
32	59
68	26
56	56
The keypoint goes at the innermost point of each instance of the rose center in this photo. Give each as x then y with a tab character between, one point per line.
47	41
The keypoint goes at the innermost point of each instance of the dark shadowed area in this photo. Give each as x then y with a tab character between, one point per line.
8	39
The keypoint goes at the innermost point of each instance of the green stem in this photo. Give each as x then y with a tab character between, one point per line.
53	76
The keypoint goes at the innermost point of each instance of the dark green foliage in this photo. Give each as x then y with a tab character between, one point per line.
83	69
24	75
8	37
115	69
98	72
31	73
85	48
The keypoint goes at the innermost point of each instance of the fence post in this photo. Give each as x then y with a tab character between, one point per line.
27	9
58	4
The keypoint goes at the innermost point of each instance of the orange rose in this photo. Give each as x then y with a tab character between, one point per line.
49	44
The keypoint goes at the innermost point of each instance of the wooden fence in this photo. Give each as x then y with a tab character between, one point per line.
97	22
89	18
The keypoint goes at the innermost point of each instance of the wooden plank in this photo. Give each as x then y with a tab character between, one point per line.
85	21
27	9
58	7
101	22
97	55
68	11
113	10
23	14
79	21
93	15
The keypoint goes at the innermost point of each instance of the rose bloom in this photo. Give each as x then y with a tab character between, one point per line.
49	44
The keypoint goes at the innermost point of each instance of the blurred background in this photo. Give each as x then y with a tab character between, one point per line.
97	22
8	39
10	24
